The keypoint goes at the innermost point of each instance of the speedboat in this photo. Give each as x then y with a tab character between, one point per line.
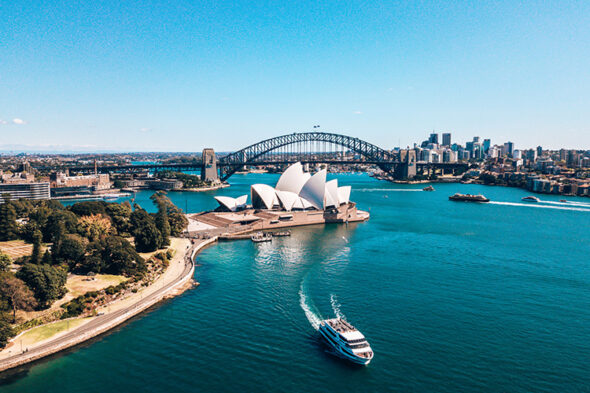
531	199
346	340
563	200
429	188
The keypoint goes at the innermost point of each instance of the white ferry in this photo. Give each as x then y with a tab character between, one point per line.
346	340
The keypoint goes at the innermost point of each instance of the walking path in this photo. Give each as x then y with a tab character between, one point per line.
180	271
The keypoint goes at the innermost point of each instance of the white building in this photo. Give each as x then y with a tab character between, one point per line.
295	190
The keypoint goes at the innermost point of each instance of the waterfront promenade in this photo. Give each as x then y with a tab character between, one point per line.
171	283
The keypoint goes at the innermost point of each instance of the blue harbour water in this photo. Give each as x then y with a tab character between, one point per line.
453	297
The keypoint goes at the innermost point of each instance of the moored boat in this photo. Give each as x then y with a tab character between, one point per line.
260	237
346	340
468	198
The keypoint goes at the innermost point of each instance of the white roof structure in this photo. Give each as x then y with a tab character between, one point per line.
295	189
287	199
344	194
263	196
232	204
293	179
314	189
331	195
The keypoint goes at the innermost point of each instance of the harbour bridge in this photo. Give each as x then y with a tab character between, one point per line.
305	147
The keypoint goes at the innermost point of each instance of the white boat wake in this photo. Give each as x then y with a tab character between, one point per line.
540	206
336	307
572	204
389	189
308	308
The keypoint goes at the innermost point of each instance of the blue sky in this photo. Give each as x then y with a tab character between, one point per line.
183	75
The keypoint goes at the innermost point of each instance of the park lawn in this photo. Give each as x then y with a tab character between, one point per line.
16	248
79	285
44	332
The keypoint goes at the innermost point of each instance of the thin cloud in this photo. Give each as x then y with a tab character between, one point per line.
18	121
145	129
2	122
357	113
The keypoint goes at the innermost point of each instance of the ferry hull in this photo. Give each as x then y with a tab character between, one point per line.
341	352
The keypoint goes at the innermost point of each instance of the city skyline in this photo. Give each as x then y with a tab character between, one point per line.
161	77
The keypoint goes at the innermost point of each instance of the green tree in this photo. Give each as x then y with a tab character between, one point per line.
119	215
177	221
147	236
114	255
5	262
46	282
6	332
88	208
47	259
8	226
36	255
161	217
17	294
71	251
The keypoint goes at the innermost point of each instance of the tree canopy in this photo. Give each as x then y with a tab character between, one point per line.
46	282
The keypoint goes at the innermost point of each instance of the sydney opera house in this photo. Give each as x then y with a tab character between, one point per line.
295	190
298	198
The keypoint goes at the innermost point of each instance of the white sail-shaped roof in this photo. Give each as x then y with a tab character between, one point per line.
287	199
241	201
293	179
263	196
314	189
232	204
305	203
331	195
344	194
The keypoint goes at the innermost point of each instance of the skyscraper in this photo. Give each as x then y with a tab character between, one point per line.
433	138
486	145
539	151
446	139
509	148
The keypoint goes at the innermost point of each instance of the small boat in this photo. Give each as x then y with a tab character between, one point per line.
429	188
468	198
563	200
110	198
346	340
260	237
531	198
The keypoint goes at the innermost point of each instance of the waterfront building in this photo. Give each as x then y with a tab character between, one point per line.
539	151
446	139
295	190
25	190
97	182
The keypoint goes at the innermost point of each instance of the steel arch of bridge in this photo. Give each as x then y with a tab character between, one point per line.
230	163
